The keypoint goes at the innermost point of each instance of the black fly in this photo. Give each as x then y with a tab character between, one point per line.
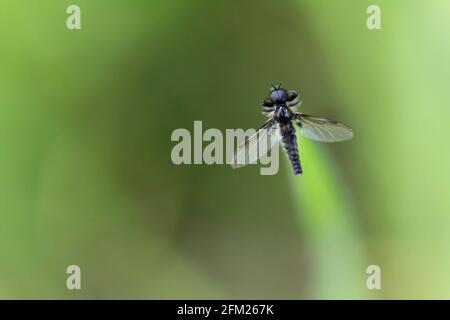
280	108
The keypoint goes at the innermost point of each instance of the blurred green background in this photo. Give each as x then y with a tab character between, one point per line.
85	170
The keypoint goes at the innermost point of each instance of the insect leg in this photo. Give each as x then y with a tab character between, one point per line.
268	109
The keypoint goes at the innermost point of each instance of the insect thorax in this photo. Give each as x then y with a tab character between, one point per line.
282	113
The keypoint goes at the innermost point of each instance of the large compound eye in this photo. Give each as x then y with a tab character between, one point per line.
279	95
292	95
274	95
268	103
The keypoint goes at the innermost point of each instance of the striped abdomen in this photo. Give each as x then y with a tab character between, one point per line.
290	144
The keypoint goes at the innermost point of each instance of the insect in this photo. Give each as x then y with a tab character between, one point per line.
281	109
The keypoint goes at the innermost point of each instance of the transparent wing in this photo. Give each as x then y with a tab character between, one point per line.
257	145
322	129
